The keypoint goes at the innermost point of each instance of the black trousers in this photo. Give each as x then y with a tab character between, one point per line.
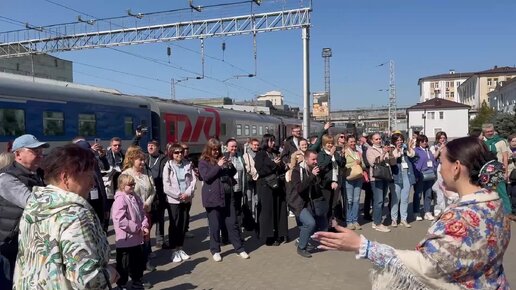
218	216
188	208
159	217
178	218
129	263
368	198
512	193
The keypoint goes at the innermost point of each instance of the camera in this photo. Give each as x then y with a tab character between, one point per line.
226	155
142	129
96	140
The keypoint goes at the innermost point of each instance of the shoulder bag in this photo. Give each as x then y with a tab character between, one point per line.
382	170
355	171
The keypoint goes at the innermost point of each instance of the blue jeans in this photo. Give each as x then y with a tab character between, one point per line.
402	192
423	188
379	191
308	222
353	189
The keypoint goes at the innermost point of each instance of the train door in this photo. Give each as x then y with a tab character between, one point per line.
171	130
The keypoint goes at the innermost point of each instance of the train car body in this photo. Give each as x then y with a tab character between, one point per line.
58	112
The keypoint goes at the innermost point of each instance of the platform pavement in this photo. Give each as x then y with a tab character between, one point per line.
279	267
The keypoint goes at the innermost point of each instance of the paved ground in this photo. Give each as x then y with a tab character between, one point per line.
279	267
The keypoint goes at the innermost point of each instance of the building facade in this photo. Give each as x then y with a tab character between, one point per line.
370	120
474	91
40	66
503	97
437	115
443	86
275	97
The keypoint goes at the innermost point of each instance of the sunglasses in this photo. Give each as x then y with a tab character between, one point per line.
341	136
178	152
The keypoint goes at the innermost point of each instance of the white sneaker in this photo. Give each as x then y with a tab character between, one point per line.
418	218
437	212
183	255
291	214
176	257
381	228
407	225
243	255
429	216
217	257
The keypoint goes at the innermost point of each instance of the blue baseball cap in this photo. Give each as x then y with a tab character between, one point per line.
28	141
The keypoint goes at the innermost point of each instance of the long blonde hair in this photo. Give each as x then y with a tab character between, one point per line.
131	155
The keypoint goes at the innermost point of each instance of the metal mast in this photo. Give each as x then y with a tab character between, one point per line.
326	54
392	98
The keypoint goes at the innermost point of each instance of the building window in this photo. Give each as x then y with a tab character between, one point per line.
452	94
128	126
430	115
495	80
441	115
431	85
447	95
253	130
489	82
457	84
239	130
12	122
87	125
266	129
53	123
246	130
223	129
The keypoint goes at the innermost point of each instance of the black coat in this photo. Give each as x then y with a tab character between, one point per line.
302	190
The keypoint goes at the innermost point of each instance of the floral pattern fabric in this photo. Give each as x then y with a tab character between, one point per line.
61	243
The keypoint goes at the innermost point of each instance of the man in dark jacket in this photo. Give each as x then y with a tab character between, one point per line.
307	201
291	144
16	183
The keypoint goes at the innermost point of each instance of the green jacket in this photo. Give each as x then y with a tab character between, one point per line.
61	243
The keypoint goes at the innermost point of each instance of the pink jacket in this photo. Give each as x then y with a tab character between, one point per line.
171	183
128	220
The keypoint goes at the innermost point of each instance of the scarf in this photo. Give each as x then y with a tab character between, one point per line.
491	142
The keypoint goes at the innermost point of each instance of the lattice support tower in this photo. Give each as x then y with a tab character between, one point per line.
327	54
392	98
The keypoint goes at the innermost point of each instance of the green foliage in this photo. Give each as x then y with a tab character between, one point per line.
485	115
505	123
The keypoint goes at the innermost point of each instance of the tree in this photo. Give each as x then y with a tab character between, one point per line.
485	115
505	123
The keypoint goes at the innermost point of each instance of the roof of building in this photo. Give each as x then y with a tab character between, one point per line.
498	70
437	103
450	75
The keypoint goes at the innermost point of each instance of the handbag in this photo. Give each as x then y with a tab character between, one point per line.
355	171
382	171
272	181
428	175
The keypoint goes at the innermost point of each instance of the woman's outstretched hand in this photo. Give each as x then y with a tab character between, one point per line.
343	240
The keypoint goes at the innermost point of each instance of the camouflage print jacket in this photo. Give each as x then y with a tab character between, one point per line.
61	243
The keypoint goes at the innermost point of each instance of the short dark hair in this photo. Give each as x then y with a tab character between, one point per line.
172	148
421	138
153	141
117	139
396	136
71	159
471	152
231	140
264	145
308	152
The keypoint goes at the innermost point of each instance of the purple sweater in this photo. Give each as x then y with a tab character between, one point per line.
423	156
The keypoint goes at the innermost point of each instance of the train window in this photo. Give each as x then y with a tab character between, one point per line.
246	130
87	125
260	131
239	130
53	123
266	129
128	126
223	129
253	130
12	122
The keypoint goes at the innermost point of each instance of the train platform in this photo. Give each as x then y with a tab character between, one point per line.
278	267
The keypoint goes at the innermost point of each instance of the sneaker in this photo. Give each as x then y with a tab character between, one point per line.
183	255
243	255
437	212
304	253
429	216
189	235
149	267
351	226
394	224
381	228
217	257
141	285
176	257
418	218
357	226
407	225
291	214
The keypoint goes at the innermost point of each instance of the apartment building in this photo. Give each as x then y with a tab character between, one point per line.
503	97
443	86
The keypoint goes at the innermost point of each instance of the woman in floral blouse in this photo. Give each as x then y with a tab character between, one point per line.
463	248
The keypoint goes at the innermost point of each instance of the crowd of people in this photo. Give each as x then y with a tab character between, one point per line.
55	210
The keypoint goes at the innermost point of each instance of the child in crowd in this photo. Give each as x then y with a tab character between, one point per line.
131	225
